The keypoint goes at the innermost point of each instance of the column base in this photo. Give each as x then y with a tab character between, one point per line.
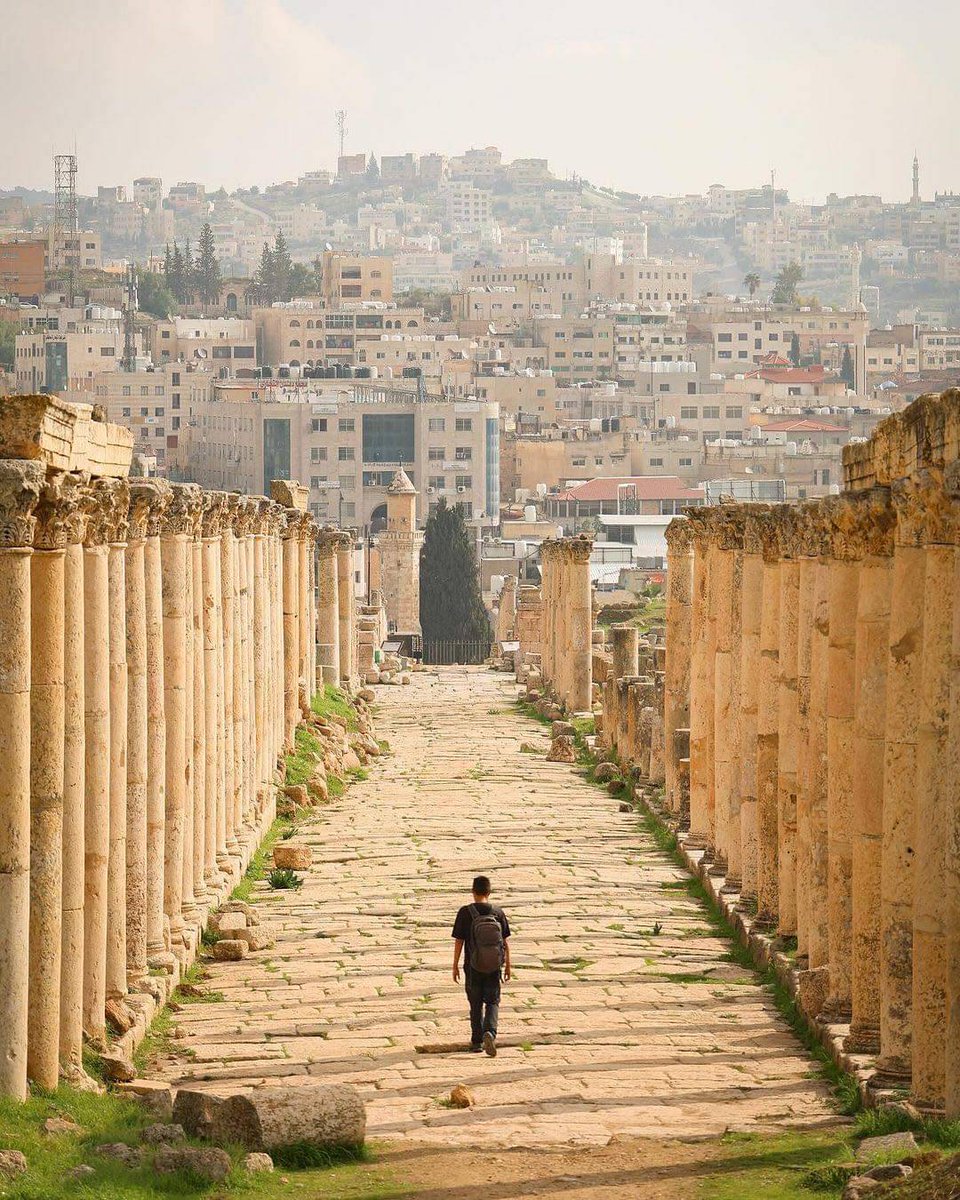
163	960
765	922
836	1011
892	1072
696	841
77	1077
731	886
718	866
862	1039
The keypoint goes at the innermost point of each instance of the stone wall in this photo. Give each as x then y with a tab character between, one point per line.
158	648
812	713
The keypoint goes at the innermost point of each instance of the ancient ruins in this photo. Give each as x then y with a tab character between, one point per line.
160	645
804	719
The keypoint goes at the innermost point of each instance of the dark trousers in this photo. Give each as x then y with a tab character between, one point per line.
483	992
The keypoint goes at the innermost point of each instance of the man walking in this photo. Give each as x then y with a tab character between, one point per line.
483	929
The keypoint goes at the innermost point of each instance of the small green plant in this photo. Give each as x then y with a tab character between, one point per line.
284	879
657	929
209	937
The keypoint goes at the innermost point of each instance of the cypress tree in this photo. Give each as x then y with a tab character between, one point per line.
207	272
282	267
847	373
451	607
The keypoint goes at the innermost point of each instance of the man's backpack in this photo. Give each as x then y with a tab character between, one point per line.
486	942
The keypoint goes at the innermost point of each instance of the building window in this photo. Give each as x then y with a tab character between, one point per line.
437	425
318	425
348	483
688	412
464	425
734	412
463	453
436	482
686	462
346	424
464	481
126	412
656	462
711	412
437	453
345	453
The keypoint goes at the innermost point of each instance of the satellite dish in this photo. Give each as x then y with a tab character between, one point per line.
327	246
491	328
199	352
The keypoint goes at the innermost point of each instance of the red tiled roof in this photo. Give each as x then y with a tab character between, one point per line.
814	374
773	359
648	487
803	425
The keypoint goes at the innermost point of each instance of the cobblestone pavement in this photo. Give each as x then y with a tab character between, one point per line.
606	1029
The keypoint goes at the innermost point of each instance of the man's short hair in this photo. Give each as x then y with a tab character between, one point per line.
481	886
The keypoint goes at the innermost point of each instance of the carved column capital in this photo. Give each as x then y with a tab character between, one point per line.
214	511
20	484
678	535
578	549
148	499
927	513
106	503
182	511
58	514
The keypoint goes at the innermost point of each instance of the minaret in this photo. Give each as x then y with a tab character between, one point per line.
915	199
399	547
856	257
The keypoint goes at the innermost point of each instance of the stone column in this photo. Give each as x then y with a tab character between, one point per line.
768	734
116	966
191	914
872	641
201	689
241	747
260	647
74	754
20	484
158	934
176	530
214	835
307	614
904	687
952	881
228	846
724	699
937	794
625	641
291	626
787	733
806	574
701	690
346	609
751	592
734	530
580	629
818	934
253	793
328	617
841	704
143	499
98	761
57	498
676	705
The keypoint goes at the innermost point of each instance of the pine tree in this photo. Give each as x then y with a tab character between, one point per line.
451	607
207	278
847	373
167	263
373	170
178	275
282	267
795	349
263	279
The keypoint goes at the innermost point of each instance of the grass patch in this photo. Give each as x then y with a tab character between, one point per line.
302	763
878	1122
789	1166
302	1155
331	702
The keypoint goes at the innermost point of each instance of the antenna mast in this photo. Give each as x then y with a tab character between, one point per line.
341	127
66	241
129	321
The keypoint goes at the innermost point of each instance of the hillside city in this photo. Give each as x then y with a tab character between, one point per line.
546	352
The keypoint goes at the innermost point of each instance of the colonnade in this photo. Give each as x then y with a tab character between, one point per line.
631	726
157	650
812	699
566	621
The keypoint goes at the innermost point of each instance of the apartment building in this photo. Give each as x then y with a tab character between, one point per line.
228	344
304	333
506	306
355	277
468	207
398	168
530	394
573	348
155	402
22	269
346	442
67	348
477	165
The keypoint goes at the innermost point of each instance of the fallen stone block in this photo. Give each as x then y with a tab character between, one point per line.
562	751
273	1117
129	1156
605	771
254	1163
12	1162
162	1134
229	950
119	1017
295	858
228	922
891	1143
461	1097
117	1068
562	729
207	1162
259	938
297	792
57	1125
155	1097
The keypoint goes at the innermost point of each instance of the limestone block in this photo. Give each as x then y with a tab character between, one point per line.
155	1097
207	1162
297	793
129	1156
562	729
405	680
255	1163
228	922
229	950
260	938
812	989
462	1097
296	858
273	1117
562	751
367	694
12	1162
117	1068
119	1018
163	1134
891	1143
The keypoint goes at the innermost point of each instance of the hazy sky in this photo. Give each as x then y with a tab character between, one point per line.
652	97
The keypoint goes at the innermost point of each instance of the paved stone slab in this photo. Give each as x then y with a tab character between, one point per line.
606	1029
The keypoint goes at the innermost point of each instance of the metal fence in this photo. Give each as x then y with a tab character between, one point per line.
448	652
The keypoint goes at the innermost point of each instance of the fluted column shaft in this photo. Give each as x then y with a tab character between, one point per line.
768	750
701	700
229	845
346	608
724	700
19	490
751	604
291	627
806	573
787	747
817	872
158	945
328	616
677	681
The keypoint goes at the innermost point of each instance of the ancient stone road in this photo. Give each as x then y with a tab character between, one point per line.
606	1029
